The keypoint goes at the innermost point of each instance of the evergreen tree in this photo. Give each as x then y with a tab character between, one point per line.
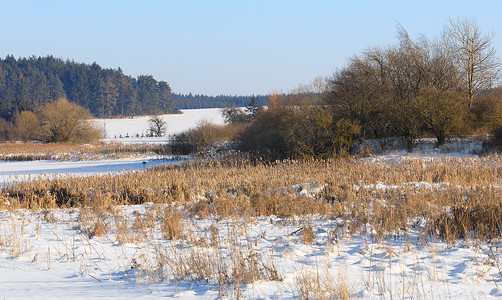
253	107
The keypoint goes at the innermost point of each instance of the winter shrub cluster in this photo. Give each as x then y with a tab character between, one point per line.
436	88
57	121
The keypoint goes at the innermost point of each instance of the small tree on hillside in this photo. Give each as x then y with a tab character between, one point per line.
157	125
64	121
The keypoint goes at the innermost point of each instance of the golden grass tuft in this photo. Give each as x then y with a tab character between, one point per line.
172	223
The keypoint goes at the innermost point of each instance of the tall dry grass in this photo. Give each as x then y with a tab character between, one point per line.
456	196
446	198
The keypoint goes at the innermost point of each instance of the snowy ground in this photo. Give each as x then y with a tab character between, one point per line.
46	255
51	255
134	130
426	147
115	128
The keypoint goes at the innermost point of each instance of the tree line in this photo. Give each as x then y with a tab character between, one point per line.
203	101
437	87
417	87
29	83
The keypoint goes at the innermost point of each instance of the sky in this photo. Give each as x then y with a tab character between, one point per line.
229	47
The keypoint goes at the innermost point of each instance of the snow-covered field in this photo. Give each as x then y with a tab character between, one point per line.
46	255
122	130
135	129
58	253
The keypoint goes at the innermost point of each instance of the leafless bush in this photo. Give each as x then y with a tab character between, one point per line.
204	134
64	121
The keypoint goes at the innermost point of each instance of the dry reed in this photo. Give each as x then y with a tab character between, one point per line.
456	196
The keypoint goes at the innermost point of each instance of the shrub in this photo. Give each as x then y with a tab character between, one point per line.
487	111
443	113
204	134
307	131
6	130
265	137
497	138
346	134
63	121
28	126
184	143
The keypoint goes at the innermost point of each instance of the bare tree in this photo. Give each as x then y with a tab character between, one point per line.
312	93
408	74
359	91
407	89
157	125
474	55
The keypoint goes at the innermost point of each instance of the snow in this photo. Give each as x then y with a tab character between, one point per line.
138	126
12	171
425	147
176	123
49	255
57	260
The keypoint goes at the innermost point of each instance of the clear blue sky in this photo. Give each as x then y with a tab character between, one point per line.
225	47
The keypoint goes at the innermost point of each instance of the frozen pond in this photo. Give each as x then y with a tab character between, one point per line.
12	171
135	128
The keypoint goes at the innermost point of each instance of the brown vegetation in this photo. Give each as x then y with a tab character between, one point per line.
57	121
459	189
412	89
444	198
64	121
204	134
28	126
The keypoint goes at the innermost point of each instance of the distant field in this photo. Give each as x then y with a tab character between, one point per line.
138	126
